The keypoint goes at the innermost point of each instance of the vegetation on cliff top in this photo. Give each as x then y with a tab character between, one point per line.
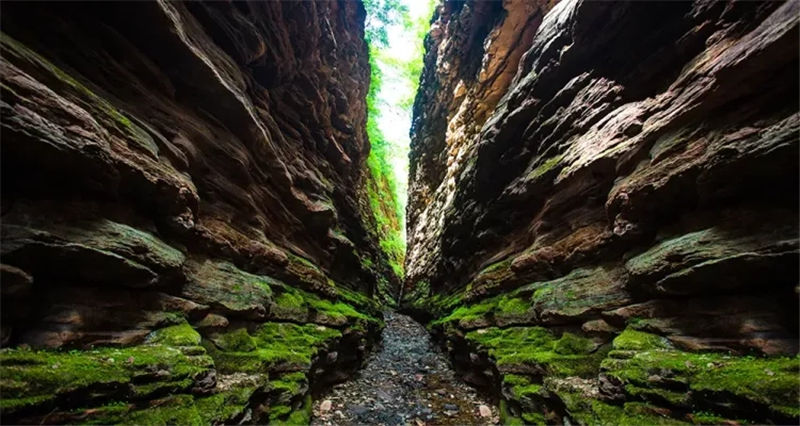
395	67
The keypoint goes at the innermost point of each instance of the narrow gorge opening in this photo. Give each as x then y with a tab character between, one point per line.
248	213
394	31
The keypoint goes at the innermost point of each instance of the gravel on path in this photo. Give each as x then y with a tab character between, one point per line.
407	381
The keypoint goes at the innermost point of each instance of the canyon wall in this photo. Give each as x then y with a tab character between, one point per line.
187	236
603	208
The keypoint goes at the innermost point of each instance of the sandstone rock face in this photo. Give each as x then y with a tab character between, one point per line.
185	233
603	207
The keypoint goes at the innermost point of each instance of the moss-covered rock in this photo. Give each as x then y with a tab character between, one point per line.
270	347
288	387
176	335
529	350
302	306
172	410
503	310
236	340
286	415
33	378
716	258
224	407
733	385
226	287
581	294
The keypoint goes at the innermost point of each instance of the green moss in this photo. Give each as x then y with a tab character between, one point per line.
506	418
358	300
706	418
32	377
658	395
493	275
367	263
302	260
289	305
513	305
468	313
338	309
13	404
541	294
475	315
173	410
276	412
495	267
545	167
291	299
269	345
306	272
570	344
537	345
521	386
438	305
300	416
216	283
176	335
287	386
631	413
271	333
639	341
111	413
587	410
537	419
237	340
382	202
168	386
222	407
771	381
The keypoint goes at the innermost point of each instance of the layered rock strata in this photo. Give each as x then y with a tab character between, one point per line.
186	237
603	208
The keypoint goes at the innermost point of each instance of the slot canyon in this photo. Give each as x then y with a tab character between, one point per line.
201	222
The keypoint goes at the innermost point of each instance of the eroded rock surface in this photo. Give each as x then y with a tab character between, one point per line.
186	237
603	208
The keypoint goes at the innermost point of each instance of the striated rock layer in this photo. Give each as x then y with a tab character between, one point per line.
603	207
186	237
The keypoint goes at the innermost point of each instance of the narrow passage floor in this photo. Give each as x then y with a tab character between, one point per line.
407	380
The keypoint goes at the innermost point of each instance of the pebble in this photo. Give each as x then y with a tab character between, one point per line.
408	381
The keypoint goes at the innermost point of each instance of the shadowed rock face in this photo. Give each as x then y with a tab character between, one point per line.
183	190
603	207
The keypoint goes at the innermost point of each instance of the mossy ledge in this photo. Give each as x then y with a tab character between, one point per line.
223	367
544	376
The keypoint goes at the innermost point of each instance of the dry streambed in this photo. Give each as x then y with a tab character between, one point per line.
406	381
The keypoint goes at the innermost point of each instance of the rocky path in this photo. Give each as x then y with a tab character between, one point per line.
406	381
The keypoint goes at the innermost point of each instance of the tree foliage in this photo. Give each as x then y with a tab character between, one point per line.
383	190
